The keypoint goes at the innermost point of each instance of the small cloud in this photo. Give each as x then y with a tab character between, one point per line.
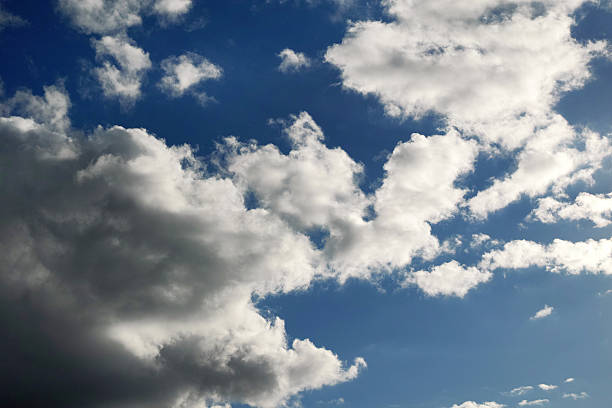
575	396
569	380
542	313
334	402
185	73
520	390
10	20
540	402
547	387
292	61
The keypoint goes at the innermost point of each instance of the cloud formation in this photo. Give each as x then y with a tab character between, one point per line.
132	271
185	73
534	403
292	61
449	279
123	67
589	256
594	207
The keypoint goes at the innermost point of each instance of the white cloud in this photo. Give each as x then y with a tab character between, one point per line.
449	279
317	187
540	314
472	404
575	396
103	16
51	109
560	256
540	402
520	390
117	16
553	159
481	64
186	72
141	260
480	240
123	67
569	380
172	8
543	313
492	68
292	61
594	207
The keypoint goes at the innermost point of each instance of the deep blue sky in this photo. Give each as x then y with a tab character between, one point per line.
422	352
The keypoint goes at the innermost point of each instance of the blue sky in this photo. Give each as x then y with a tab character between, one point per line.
324	203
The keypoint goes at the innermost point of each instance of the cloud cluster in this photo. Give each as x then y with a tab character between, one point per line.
472	404
590	256
314	187
594	207
123	63
493	69
129	274
449	279
185	73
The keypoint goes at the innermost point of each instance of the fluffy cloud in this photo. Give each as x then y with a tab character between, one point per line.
589	256
123	67
292	61
472	404
184	73
316	187
449	279
492	68
543	313
555	157
116	16
540	314
482	64
594	207
534	403
131	271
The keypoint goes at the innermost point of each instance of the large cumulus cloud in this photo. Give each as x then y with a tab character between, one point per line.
128	275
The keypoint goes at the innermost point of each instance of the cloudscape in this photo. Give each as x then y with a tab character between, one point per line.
305	203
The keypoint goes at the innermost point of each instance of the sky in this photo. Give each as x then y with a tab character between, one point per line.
306	203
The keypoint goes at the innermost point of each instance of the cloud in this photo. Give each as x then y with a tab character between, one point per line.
117	16
520	390
483	65
589	256
594	207
493	69
449	279
540	402
480	240
8	20
569	380
472	404
132	271
292	61
172	8
540	314
314	187
123	67
185	73
554	158
543	313
575	396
